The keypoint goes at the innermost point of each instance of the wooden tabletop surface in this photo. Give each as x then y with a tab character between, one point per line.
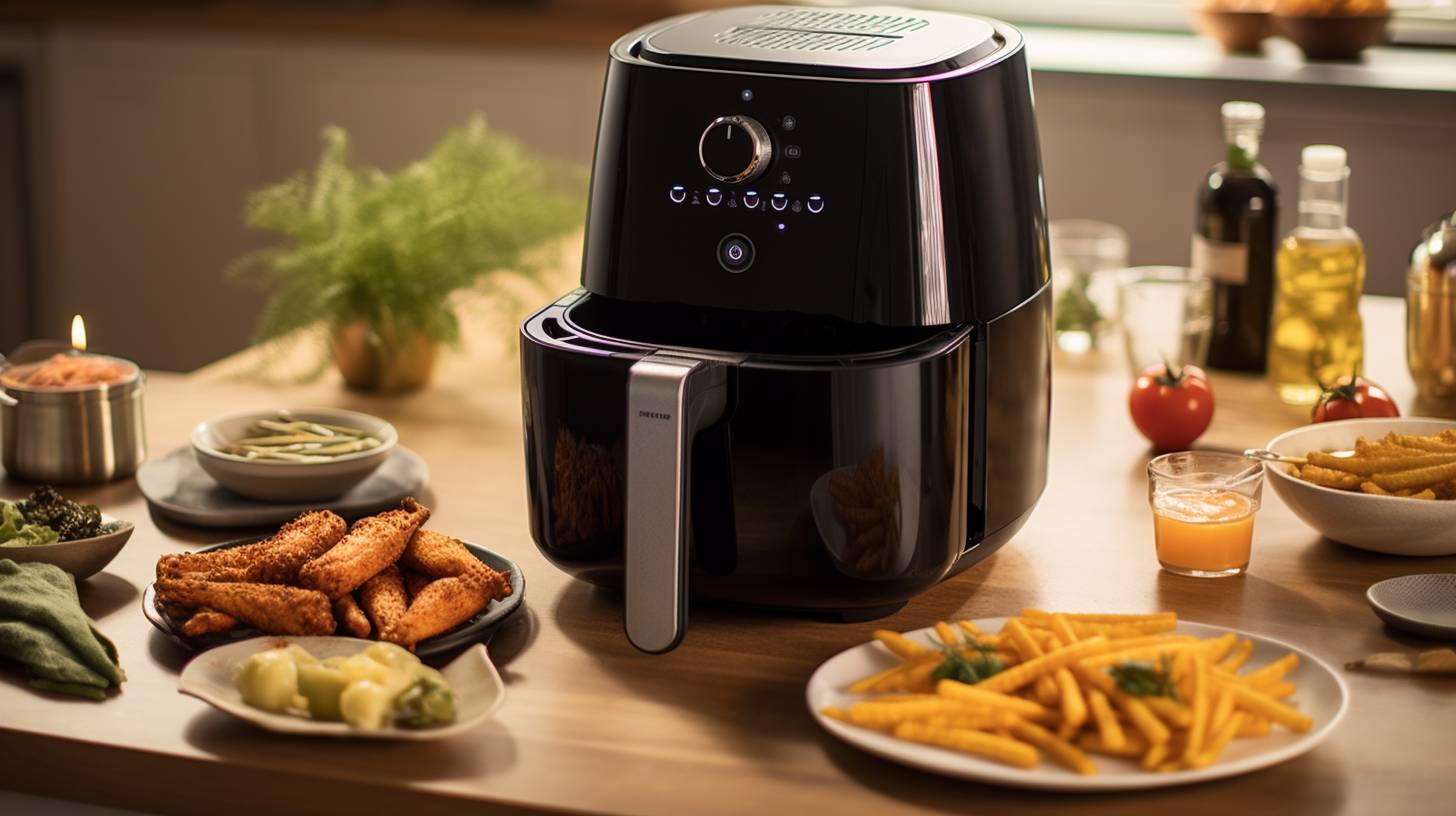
719	726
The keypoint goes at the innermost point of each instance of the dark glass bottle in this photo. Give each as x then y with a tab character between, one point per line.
1233	243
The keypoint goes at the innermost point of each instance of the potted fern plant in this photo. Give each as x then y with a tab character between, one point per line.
376	257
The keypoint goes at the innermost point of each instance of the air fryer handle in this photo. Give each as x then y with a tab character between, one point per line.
669	399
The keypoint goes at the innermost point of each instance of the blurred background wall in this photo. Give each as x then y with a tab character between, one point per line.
143	141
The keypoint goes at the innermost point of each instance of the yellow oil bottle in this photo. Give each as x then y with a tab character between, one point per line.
1316	335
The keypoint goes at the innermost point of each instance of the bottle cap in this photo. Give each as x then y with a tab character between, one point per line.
1323	158
1242	112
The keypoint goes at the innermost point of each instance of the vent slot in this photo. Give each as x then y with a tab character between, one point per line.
813	30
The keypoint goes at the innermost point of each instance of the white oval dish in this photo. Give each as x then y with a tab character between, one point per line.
272	480
479	691
1322	695
1385	524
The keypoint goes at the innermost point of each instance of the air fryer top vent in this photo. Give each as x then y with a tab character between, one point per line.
870	42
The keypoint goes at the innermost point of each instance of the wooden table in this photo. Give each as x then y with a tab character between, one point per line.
719	726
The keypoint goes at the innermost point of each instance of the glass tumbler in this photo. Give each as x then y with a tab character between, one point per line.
1203	511
1084	293
1166	316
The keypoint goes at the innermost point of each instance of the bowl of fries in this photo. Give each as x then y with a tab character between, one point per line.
1387	485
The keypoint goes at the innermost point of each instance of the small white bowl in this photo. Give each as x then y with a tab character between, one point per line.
273	480
1386	524
83	557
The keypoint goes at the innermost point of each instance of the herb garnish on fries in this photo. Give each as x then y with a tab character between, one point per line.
1070	685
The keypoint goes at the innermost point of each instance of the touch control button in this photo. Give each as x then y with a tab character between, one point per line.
816	203
714	196
735	252
779	201
750	199
678	194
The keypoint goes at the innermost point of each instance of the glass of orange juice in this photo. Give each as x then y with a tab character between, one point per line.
1203	511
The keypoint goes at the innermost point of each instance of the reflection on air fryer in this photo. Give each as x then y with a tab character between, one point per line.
587	495
867	505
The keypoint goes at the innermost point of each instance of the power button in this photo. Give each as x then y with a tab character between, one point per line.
735	252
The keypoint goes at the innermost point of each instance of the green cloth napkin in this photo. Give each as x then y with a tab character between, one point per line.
43	628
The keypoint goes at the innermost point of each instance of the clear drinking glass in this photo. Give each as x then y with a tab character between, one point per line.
1166	316
1203	511
1084	254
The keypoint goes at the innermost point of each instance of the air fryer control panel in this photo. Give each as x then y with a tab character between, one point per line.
754	192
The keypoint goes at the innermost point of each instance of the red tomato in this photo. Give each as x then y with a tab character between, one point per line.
1173	409
1352	398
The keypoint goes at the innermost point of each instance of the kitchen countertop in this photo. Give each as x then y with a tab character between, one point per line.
719	726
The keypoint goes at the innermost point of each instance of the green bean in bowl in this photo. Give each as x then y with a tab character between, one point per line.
293	455
300	440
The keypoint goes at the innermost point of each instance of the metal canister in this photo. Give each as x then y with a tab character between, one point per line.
74	435
1430	321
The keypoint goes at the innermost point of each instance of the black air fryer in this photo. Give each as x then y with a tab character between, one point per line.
809	365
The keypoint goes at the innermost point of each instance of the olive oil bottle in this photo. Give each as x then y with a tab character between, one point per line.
1316	334
1233	242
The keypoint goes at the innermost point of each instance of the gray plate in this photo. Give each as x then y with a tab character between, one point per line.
1421	604
475	629
177	488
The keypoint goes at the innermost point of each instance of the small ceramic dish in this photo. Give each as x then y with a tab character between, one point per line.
1236	32
1386	524
83	557
1332	37
209	677
1420	604
282	481
476	629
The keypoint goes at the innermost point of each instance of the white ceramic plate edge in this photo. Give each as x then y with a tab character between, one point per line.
193	682
1048	776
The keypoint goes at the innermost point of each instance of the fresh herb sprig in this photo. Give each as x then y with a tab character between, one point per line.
1143	679
957	665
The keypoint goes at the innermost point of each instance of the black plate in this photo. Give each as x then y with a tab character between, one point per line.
470	631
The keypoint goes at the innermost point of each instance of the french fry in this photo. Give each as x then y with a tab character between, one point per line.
1027	673
1170	711
1029	709
1254	726
1219	742
1271	673
1425	443
1326	477
1374	466
1234	661
990	746
1074	706
1172	617
1199	727
1059	749
1134	746
1143	719
1154	756
1280	690
946	634
1420	477
1425	495
1028	648
1373	489
1258	703
1222	709
899	645
971	629
1109	730
1062	628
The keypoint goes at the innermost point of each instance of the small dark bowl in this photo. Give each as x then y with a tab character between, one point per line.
1333	38
1234	31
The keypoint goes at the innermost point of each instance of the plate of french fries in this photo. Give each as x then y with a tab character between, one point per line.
1079	702
1387	485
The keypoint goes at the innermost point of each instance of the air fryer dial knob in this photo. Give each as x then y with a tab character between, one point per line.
734	149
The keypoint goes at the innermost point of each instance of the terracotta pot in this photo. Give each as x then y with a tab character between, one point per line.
382	362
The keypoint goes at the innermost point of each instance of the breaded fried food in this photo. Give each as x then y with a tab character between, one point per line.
415	581
373	544
383	598
274	560
277	610
351	618
206	621
442	556
442	605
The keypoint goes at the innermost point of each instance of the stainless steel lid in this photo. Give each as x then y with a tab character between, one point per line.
861	42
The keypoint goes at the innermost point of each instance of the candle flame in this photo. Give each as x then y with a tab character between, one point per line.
78	333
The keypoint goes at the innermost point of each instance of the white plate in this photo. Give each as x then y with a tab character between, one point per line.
1322	695
209	677
1386	524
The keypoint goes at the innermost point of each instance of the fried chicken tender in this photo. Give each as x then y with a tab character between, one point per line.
351	618
206	621
383	598
442	605
441	556
373	544
277	610
274	560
